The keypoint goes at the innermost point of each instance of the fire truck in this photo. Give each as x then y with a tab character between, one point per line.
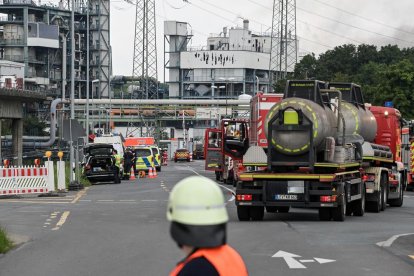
225	146
408	153
326	149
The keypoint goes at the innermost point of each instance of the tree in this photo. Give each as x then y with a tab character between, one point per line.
305	69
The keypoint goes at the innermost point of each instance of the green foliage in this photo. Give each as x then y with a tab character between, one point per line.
33	126
385	74
5	243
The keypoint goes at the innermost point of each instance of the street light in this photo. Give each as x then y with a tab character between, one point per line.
227	81
87	105
212	96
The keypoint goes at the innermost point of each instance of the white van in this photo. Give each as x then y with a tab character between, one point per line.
115	141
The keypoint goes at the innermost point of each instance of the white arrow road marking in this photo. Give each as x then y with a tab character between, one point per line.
324	261
307	261
389	242
289	259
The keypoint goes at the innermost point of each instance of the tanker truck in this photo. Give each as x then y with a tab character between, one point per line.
328	150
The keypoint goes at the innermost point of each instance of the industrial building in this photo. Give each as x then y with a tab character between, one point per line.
37	36
232	63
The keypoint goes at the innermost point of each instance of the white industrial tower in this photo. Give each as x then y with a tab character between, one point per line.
284	48
145	50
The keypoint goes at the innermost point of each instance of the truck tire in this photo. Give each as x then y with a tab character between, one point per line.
217	176
243	213
325	214
339	213
359	205
257	213
375	206
384	190
398	202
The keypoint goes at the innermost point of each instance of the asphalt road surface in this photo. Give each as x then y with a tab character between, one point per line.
121	229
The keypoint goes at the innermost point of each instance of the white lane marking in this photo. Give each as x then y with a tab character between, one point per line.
289	259
127	200
389	242
149	200
224	187
85	200
62	220
105	200
47	223
324	261
307	261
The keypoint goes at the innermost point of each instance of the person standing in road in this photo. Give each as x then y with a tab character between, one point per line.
128	161
198	218
118	161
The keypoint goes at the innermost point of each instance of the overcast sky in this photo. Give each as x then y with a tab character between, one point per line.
321	24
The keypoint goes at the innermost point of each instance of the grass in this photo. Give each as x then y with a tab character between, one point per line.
5	243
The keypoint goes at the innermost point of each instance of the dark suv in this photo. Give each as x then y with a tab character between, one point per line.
99	163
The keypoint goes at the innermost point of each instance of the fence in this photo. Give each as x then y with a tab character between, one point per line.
31	180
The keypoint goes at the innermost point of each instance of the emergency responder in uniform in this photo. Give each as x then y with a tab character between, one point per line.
118	162
128	162
198	218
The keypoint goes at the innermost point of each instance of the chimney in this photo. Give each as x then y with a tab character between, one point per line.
225	31
245	24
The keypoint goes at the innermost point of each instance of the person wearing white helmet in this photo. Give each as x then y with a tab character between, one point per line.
198	218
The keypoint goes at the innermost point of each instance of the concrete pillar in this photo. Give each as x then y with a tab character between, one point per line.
17	136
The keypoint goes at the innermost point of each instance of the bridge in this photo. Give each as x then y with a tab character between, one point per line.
11	107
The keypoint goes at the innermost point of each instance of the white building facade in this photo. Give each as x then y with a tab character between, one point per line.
232	63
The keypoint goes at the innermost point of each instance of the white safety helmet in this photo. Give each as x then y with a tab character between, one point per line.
197	213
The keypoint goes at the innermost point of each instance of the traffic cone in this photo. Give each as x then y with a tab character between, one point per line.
132	174
155	172
150	174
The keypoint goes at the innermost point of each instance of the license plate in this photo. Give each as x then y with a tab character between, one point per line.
286	197
96	169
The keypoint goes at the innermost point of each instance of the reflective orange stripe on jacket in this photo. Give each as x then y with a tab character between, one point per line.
224	258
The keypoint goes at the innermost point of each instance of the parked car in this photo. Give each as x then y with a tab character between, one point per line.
182	155
99	163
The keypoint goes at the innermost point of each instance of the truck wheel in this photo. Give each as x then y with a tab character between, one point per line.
243	213
257	213
359	205
325	214
399	201
384	193
339	213
375	206
217	176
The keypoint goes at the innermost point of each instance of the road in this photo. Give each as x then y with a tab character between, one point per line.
121	229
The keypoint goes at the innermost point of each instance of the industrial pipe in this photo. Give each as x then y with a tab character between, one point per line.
162	101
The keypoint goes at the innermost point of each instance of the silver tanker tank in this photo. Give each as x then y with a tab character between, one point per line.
358	121
297	142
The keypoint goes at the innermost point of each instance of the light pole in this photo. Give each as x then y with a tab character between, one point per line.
227	82
87	105
218	89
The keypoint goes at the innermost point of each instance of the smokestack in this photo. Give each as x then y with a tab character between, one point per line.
245	24
225	31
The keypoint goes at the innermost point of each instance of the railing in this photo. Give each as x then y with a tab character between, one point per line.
241	48
15	58
216	80
17	2
11	41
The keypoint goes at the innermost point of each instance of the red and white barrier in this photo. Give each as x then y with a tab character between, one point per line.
26	180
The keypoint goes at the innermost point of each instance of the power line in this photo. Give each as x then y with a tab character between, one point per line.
365	18
353	26
312	41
